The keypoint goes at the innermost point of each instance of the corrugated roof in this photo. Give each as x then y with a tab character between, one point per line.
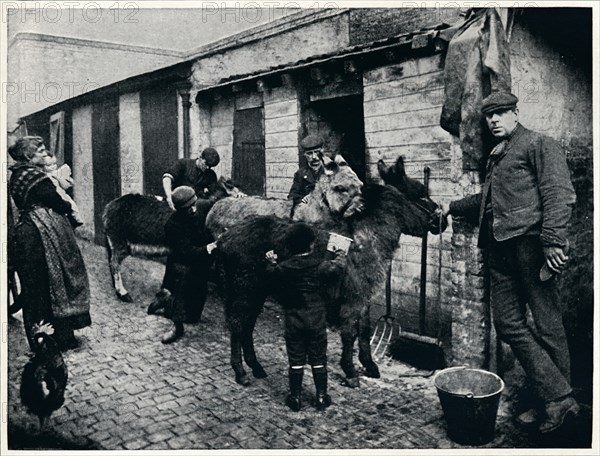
379	45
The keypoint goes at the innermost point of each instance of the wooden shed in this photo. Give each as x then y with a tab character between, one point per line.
117	139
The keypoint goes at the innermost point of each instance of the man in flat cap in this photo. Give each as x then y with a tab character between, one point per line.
195	173
306	177
523	212
189	259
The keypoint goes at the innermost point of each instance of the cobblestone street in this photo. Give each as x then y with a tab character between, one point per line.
126	390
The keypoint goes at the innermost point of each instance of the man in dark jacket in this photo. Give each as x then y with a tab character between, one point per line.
306	177
300	281
198	175
188	263
523	212
193	173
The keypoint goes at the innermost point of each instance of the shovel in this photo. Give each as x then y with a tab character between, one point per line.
385	330
420	350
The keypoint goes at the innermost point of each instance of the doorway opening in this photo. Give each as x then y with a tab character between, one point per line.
340	121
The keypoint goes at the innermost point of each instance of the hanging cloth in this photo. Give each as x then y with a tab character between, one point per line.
477	64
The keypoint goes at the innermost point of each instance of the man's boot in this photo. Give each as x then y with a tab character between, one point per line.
320	379
175	333
557	412
294	400
160	301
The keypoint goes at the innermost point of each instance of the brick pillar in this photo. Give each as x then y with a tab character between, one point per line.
469	304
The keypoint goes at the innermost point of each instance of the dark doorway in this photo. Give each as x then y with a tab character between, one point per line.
105	159
158	111
341	123
249	150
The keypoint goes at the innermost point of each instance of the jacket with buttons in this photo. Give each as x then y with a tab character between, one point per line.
305	180
531	190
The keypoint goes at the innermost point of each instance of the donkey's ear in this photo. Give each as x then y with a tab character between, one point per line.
330	166
382	169
340	160
228	186
399	167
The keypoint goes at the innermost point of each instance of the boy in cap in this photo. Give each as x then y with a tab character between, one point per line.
299	281
523	212
193	173
307	176
188	263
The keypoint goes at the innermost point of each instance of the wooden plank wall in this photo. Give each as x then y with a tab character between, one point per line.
221	133
402	106
281	139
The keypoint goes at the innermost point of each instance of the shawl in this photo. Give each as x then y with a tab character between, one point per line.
23	178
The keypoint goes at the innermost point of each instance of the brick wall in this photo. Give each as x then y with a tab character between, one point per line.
370	24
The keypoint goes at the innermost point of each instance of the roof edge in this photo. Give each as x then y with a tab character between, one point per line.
173	73
32	36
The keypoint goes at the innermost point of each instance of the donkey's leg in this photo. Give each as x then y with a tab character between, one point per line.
364	344
349	332
250	355
117	252
236	359
248	338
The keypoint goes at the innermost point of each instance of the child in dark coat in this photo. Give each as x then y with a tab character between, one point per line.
188	263
301	279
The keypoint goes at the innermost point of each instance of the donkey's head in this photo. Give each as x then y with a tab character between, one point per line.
337	193
415	192
223	188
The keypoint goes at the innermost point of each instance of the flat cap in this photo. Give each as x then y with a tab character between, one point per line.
211	156
183	197
311	141
298	237
498	101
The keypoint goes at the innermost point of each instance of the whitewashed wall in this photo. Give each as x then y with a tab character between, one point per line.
83	175
130	128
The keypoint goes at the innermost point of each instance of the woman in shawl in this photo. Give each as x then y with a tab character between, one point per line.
54	281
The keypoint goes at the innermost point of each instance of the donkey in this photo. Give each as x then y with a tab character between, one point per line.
384	214
134	223
336	196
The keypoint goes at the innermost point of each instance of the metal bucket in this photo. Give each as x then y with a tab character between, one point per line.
469	399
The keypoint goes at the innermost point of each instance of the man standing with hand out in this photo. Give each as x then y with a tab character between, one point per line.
523	210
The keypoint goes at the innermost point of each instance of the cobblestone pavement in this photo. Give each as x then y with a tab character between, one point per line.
126	390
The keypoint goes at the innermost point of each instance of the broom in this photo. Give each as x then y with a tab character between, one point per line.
420	350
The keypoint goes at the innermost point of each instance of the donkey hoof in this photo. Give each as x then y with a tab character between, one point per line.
352	382
259	373
372	371
242	380
125	298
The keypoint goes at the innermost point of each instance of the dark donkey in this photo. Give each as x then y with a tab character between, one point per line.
388	212
135	223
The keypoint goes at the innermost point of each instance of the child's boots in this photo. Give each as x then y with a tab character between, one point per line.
294	400
320	379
